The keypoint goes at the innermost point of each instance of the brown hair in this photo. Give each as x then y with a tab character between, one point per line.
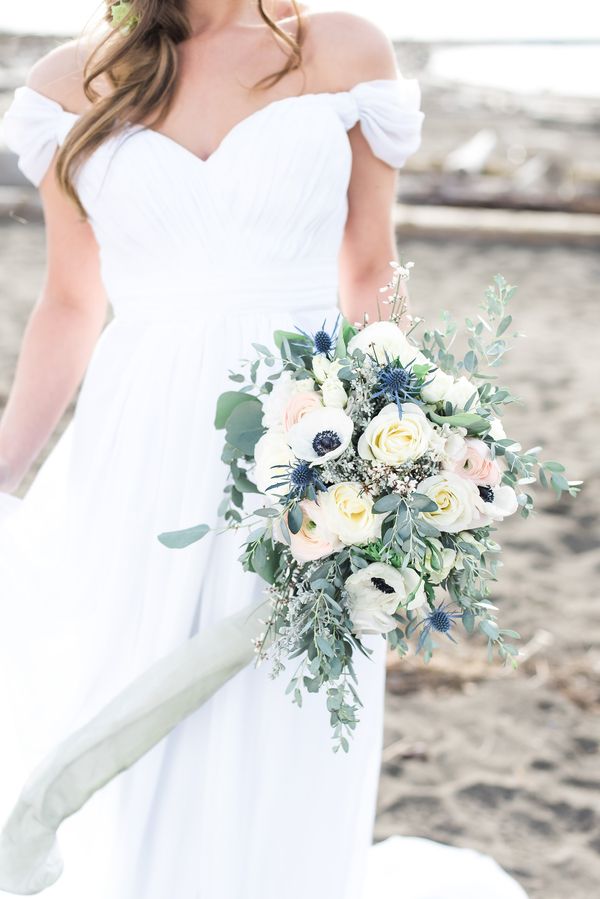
138	57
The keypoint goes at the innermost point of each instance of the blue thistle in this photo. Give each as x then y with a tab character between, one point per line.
440	620
323	341
302	480
398	384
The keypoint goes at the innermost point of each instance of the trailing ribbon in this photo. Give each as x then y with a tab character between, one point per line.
121	733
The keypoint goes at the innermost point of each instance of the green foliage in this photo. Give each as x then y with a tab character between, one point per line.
244	426
181	539
226	403
310	623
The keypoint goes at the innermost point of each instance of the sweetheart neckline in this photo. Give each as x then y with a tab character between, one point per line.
199	160
238	126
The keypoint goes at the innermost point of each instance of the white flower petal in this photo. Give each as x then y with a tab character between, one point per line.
301	437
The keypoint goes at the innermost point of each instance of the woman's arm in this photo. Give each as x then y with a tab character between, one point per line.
358	51
369	243
62	329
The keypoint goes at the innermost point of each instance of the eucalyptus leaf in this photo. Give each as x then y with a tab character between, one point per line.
183	538
422	503
387	503
470	361
489	628
244	426
475	424
468	620
267	512
324	645
264	561
294	519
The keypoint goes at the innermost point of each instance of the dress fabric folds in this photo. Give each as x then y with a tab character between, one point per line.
199	258
244	799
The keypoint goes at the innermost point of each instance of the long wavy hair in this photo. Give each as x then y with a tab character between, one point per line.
138	58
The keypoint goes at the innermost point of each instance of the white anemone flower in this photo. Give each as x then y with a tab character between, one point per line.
495	504
377	592
321	435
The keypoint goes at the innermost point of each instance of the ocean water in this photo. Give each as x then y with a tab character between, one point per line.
561	69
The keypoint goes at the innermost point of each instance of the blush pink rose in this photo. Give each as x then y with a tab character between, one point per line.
314	540
298	406
476	463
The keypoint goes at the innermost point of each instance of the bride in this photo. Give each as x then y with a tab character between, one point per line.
210	170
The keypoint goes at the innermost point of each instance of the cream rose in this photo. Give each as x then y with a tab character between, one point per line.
377	592
349	513
460	392
456	500
383	340
314	540
298	405
271	450
477	464
437	384
394	440
333	393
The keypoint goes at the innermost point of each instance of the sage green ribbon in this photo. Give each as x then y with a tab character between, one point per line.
120	734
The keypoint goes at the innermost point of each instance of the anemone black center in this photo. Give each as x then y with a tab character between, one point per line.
326	441
487	494
440	621
323	342
302	475
381	585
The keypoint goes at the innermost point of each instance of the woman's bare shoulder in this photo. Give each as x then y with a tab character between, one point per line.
348	49
59	74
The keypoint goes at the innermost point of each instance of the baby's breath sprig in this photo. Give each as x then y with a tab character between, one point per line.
398	299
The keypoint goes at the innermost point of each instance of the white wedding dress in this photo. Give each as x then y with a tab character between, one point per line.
244	799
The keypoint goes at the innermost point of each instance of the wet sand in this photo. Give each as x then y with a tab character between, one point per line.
505	762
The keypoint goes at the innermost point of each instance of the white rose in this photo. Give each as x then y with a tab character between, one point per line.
271	450
437	384
334	393
325	368
460	392
456	500
349	513
394	440
448	445
275	403
383	340
446	559
321	435
377	592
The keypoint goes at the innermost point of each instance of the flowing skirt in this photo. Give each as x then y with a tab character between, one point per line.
245	799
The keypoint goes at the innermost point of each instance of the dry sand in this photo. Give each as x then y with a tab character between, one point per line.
508	763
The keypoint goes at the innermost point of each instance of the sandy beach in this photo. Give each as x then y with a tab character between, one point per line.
477	755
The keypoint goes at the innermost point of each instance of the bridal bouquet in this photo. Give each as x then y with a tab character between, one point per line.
369	472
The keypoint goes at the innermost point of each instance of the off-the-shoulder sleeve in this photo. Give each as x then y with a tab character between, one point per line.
33	127
390	116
